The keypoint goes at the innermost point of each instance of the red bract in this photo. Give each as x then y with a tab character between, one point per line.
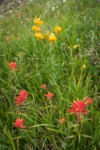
12	65
19	100
21	97
19	123
44	86
78	108
49	95
23	94
62	120
88	100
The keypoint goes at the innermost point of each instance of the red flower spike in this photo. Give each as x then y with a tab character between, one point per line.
21	97
88	100
19	100
44	86
19	123
12	65
49	95
62	120
78	108
23	94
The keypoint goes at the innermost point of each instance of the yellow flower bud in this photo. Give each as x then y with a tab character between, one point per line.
75	46
84	66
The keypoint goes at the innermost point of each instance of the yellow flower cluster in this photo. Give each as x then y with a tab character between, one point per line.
36	28
38	33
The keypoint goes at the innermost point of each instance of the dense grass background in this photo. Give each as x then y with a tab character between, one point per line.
60	67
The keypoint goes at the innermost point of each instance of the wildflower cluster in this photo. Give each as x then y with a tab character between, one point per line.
78	107
22	96
38	33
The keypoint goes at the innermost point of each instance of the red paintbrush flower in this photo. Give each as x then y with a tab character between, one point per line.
19	100
44	86
12	65
21	97
23	94
19	123
49	95
62	120
88	100
78	108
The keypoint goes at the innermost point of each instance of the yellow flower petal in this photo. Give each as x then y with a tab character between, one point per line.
84	66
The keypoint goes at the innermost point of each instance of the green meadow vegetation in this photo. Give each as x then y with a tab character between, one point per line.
50	83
